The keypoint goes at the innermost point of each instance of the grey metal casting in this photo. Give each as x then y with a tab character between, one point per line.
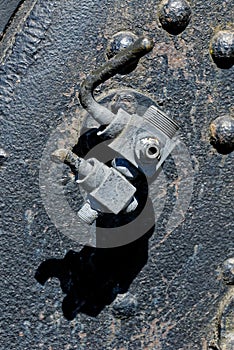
168	281
108	190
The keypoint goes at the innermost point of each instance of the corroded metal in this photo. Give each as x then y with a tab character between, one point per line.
228	271
222	48
108	70
3	156
174	15
148	138
170	277
223	324
222	134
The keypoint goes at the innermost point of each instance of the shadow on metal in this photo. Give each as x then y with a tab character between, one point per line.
223	62
94	277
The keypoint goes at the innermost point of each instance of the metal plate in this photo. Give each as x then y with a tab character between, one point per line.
172	284
7	10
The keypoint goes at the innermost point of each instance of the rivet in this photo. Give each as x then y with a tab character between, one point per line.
119	42
222	48
3	156
222	134
174	15
228	271
125	305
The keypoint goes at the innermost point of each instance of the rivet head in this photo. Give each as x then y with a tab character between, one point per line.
228	271
119	42
222	48
222	134
125	305
3	156
174	15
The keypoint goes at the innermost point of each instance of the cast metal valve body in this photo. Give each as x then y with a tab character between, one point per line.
144	141
108	190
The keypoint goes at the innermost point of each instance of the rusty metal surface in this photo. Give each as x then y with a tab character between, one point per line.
171	279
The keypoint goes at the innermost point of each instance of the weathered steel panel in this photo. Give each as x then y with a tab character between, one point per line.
172	277
7	10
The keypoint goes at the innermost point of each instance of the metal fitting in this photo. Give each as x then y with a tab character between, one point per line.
113	194
87	214
125	58
126	130
107	189
143	142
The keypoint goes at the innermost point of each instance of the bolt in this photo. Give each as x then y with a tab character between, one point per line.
222	134
3	156
174	15
119	42
222	48
125	305
228	271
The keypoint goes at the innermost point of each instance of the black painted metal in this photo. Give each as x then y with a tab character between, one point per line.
7	9
124	59
173	286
